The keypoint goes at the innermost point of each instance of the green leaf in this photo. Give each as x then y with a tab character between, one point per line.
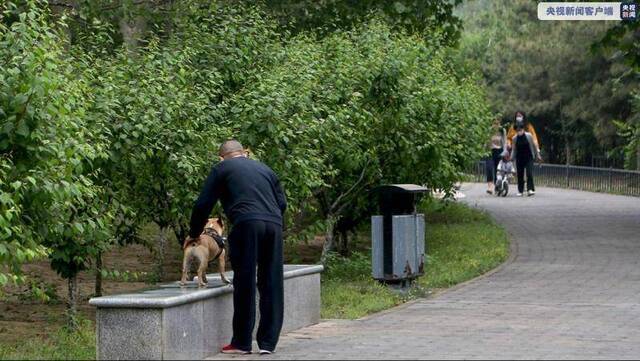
78	227
23	128
5	198
399	7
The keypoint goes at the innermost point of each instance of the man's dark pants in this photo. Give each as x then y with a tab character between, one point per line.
523	165
257	242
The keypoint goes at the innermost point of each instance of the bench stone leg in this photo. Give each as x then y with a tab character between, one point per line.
182	332
302	302
124	334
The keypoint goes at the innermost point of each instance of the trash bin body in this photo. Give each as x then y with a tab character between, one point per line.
398	235
408	247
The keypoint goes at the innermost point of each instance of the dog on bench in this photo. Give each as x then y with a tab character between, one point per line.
204	249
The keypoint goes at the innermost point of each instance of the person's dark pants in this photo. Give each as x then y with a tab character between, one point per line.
523	165
495	156
491	165
250	243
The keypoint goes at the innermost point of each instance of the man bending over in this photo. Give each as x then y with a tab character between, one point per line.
254	203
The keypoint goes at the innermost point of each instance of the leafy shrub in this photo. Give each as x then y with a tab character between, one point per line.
47	196
39	292
358	265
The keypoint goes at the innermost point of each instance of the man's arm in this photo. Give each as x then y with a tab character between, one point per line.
204	205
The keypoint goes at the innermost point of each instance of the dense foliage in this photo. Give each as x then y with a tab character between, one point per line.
622	42
325	16
356	109
111	119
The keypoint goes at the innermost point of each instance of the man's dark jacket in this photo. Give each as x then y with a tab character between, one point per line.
247	189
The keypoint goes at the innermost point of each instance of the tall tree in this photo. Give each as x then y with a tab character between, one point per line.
623	42
47	152
547	69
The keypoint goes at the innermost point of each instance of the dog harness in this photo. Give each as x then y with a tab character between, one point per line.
211	232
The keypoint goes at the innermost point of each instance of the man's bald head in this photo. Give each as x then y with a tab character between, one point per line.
230	148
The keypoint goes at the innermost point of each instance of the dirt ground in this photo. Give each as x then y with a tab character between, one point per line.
23	317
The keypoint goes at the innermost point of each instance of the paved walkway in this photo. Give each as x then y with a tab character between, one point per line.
570	291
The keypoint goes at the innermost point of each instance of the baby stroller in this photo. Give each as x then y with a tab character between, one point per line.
504	174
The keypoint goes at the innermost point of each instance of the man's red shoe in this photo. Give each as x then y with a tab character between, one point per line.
230	349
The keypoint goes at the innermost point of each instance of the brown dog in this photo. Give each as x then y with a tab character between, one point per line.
205	249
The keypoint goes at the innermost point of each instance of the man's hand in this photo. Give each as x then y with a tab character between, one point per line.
189	241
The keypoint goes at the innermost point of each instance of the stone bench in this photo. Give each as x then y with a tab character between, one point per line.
173	322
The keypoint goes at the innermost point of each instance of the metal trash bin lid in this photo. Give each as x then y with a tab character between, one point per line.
400	188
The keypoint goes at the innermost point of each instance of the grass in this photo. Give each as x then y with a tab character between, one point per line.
349	292
462	243
61	345
354	299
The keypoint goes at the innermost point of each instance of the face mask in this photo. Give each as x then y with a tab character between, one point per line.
519	119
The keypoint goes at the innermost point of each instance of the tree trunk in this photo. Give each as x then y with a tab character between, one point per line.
72	305
160	252
98	291
181	233
343	243
329	244
132	31
638	156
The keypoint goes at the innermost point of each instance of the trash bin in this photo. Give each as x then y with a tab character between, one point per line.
398	244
